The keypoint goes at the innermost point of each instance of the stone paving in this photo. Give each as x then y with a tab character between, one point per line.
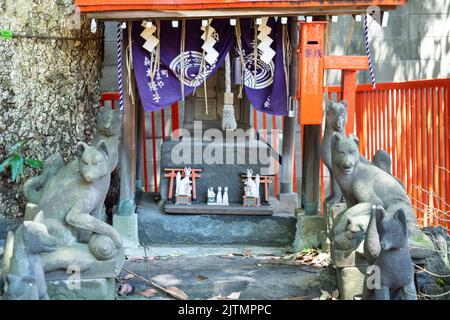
266	277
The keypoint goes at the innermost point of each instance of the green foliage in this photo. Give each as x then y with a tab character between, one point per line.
440	282
15	161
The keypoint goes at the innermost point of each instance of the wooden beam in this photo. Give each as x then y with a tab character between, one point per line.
127	15
346	62
127	204
311	169
287	166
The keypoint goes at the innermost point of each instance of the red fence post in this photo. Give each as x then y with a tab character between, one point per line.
275	147
175	115
144	149
348	92
155	165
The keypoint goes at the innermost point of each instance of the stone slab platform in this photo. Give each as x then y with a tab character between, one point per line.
231	209
159	228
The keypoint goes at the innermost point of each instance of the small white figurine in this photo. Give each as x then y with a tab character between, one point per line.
183	186
211	196
251	188
225	196
219	195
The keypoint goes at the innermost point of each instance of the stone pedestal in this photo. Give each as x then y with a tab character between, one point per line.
350	282
127	226
289	201
84	289
347	254
96	283
309	231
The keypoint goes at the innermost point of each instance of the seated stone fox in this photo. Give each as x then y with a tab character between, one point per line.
393	271
22	267
362	182
70	199
109	123
107	129
336	120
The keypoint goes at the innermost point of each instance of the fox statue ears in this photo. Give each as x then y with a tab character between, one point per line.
329	104
335	138
380	214
83	146
39	217
401	218
354	138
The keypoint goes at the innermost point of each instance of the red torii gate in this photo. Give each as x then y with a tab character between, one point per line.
313	63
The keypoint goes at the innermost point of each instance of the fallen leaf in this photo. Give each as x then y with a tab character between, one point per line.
231	296
247	253
201	278
259	264
177	293
148	293
325	295
289	256
234	295
128	277
125	289
335	294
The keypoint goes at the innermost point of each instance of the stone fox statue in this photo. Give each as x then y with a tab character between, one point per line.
33	187
108	127
69	200
23	270
336	120
363	182
393	272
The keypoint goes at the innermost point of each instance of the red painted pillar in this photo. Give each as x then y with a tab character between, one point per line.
348	89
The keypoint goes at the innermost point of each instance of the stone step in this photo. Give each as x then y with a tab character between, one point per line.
158	228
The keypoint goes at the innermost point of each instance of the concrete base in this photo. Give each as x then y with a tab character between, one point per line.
289	201
309	231
82	289
128	229
350	282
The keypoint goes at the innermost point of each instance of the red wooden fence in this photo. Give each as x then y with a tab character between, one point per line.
410	120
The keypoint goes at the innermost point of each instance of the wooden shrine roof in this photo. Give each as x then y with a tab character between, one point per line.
137	9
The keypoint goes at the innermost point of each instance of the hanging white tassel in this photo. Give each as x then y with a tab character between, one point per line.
228	120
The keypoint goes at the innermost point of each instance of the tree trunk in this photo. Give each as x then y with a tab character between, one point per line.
49	84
